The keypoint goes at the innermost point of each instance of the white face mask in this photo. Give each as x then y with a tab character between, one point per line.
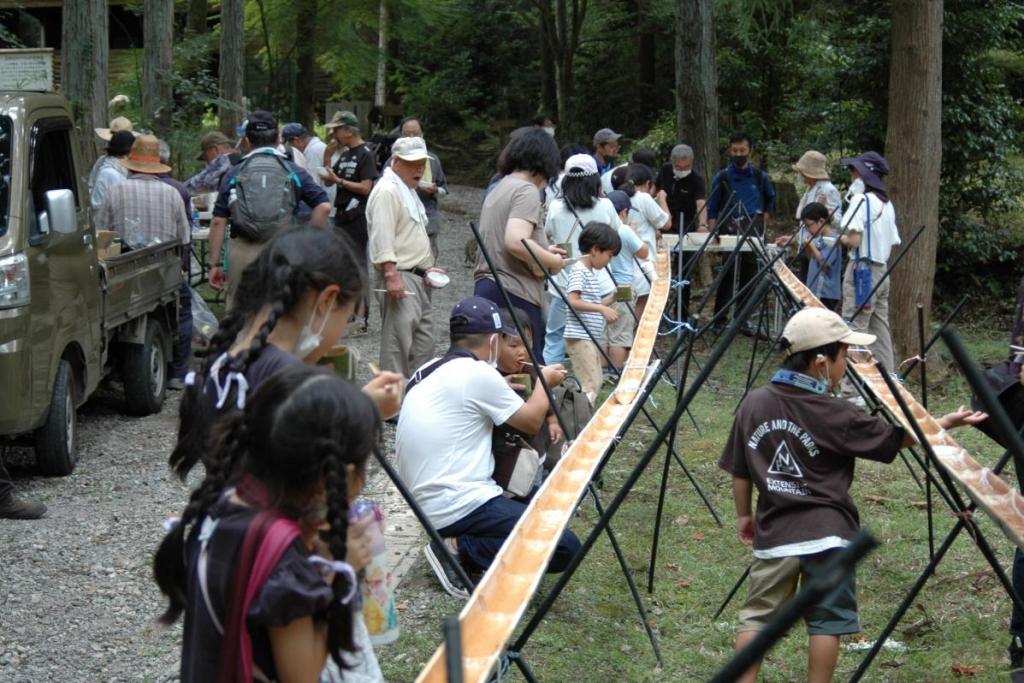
492	351
550	130
856	187
679	175
309	340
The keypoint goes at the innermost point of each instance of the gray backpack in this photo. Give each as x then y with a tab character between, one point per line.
264	191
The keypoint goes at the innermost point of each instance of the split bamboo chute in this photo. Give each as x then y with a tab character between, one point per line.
499	600
1001	501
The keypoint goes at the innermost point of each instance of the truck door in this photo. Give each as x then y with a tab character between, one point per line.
63	270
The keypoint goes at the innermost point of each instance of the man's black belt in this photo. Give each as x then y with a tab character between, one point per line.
419	272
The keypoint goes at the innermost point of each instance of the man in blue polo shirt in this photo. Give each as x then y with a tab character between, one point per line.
741	195
263	136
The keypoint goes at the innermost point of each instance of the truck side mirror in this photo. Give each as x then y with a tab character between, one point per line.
60	211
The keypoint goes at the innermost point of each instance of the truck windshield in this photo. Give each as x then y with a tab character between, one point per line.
5	171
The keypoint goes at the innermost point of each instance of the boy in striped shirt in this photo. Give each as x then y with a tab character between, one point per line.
599	243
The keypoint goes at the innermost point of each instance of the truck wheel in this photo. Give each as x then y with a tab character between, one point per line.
145	372
56	450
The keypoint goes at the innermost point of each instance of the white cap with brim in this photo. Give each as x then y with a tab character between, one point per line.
410	149
811	328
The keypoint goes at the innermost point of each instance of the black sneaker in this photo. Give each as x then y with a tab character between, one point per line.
16	508
449	580
1016	653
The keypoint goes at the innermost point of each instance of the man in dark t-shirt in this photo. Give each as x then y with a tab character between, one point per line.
684	190
797	446
354	173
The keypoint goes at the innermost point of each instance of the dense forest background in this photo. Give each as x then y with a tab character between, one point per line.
795	74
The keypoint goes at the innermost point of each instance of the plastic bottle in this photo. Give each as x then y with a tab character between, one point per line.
375	585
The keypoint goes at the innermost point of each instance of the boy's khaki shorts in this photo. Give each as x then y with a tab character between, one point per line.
774	582
620	332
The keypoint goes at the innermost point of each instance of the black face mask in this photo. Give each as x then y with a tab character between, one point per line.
739	161
610	160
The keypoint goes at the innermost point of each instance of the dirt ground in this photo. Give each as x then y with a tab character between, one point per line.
77	601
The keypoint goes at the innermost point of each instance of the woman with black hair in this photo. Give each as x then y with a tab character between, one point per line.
581	203
511	214
263	597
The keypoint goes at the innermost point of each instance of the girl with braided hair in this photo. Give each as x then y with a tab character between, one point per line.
262	597
292	305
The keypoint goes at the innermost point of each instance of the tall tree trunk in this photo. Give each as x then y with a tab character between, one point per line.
197	13
380	92
83	68
158	65
232	64
305	61
548	97
914	146
697	83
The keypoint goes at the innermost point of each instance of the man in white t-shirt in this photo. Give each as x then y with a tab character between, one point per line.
443	447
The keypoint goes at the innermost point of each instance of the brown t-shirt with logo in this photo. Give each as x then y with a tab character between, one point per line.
512	197
798	448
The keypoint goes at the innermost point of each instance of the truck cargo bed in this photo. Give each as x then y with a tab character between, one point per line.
136	282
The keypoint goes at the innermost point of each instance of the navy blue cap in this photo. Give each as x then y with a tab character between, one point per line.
475	315
292	131
260	121
620	200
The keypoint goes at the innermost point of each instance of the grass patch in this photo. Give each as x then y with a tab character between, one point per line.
960	617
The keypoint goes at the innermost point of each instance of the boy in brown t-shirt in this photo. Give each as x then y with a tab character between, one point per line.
797	444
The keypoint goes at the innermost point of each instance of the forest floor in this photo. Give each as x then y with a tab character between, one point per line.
77	601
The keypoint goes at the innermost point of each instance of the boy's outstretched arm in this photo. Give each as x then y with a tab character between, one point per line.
742	491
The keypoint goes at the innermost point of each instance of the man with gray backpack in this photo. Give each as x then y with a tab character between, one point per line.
264	193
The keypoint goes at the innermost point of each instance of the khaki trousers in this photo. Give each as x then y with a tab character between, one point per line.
586	365
241	253
874	320
407	325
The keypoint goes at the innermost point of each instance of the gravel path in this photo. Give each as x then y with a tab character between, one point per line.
77	602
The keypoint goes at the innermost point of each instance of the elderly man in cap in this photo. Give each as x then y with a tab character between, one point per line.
354	174
444	444
399	250
299	139
216	151
606	147
254	212
433	185
108	170
870	233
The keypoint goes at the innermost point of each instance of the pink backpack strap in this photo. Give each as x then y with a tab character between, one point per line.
266	540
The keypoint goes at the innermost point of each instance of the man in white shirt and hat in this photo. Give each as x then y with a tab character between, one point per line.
108	169
399	251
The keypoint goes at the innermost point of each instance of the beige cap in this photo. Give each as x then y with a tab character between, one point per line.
813	165
410	149
120	123
810	328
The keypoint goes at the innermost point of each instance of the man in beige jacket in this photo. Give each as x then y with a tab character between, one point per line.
399	250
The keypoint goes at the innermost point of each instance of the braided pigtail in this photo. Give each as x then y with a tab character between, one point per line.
339	616
287	295
169	564
193	431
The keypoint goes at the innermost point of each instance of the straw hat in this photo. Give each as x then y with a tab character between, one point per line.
813	165
145	156
120	123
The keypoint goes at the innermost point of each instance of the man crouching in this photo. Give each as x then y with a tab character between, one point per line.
443	448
